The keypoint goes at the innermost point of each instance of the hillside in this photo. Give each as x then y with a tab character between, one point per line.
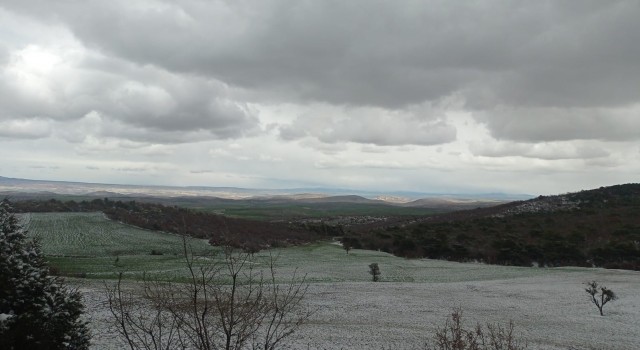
599	227
220	230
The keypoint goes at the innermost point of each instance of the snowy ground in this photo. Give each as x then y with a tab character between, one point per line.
550	310
548	306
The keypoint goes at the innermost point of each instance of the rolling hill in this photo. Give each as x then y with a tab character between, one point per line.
599	227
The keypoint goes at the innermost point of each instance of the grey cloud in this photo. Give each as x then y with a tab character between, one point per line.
105	126
373	149
139	103
202	171
44	167
130	169
370	126
4	55
18	103
603	163
545	151
558	124
369	164
185	107
179	105
531	71
25	129
330	149
385	133
291	132
548	53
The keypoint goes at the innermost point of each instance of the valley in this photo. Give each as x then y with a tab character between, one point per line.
91	241
547	305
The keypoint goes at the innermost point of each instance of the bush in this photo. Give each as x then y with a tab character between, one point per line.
374	271
37	311
453	336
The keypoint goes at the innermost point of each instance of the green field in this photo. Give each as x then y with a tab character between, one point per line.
93	235
315	210
91	245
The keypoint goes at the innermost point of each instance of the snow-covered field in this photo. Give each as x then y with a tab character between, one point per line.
550	310
548	305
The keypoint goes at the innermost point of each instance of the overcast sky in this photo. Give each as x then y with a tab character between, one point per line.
534	97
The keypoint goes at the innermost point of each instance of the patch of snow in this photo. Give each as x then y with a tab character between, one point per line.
551	311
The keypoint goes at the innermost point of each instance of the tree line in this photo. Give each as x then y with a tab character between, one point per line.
603	231
249	235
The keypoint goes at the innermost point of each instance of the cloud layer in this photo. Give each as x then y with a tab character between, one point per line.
484	81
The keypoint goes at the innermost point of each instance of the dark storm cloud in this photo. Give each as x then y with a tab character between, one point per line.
362	53
182	107
523	56
563	124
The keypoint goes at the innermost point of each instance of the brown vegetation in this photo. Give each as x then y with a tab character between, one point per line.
454	336
589	228
249	235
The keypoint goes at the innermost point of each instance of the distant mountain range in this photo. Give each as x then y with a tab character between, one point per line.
38	188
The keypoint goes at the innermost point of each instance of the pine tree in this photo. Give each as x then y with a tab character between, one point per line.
37	311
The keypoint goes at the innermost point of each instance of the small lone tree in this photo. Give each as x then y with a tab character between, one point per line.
346	245
37	311
350	242
600	295
374	270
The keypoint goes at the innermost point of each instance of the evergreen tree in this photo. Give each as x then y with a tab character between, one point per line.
37	311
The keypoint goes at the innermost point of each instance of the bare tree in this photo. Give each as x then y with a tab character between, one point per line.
600	295
283	315
453	336
140	321
227	305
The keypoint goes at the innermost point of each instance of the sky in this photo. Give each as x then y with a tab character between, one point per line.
536	97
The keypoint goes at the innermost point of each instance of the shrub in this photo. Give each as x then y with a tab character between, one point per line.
37	311
453	336
374	270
